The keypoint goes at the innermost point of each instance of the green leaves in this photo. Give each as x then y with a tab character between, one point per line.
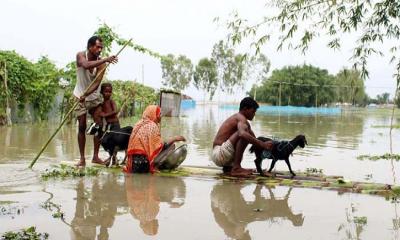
177	72
351	88
231	67
206	76
109	36
301	21
28	234
30	82
300	86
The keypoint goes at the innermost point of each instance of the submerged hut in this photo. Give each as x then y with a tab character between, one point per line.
170	103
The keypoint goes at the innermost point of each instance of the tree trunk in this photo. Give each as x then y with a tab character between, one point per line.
8	109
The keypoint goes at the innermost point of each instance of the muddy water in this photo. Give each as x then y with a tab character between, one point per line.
114	206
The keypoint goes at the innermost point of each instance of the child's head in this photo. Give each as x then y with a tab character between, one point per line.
106	90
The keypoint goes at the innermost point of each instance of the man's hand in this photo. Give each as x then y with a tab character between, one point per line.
268	145
82	98
179	138
112	59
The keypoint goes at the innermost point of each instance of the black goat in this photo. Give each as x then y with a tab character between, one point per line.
280	151
112	141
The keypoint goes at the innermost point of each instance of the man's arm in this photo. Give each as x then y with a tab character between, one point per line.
245	132
81	61
252	133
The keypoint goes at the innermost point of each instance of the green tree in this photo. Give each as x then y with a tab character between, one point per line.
231	67
44	87
350	88
297	85
129	94
177	72
205	76
374	23
20	72
383	98
30	82
258	70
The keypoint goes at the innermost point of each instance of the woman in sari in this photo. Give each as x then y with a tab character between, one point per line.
146	144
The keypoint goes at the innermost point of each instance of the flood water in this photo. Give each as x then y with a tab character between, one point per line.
115	206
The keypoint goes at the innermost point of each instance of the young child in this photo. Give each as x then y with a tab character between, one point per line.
109	108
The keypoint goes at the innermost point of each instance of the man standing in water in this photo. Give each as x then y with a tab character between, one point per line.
232	139
89	68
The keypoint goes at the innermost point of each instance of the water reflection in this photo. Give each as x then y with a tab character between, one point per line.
96	207
144	194
233	213
99	203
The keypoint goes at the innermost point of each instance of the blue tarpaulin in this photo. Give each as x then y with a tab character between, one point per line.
292	110
188	104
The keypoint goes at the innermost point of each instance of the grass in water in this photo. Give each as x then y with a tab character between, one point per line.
64	171
52	207
386	156
385	126
26	234
314	170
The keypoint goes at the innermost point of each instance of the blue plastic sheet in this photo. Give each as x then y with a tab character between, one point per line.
291	110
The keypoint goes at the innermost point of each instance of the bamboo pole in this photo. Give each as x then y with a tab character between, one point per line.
72	109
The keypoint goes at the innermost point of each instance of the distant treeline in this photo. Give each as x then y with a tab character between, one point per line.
307	85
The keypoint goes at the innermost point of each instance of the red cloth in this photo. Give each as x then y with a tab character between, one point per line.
146	138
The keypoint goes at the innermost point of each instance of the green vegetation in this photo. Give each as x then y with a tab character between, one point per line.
205	77
231	67
386	156
385	126
38	82
64	171
50	206
374	23
28	82
298	85
129	94
307	85
25	234
177	72
314	170
351	88
360	220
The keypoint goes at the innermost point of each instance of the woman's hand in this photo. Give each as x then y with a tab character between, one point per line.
179	138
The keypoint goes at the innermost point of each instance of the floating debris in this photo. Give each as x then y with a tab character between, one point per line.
26	234
64	171
386	156
302	179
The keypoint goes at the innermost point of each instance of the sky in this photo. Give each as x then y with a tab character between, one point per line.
59	29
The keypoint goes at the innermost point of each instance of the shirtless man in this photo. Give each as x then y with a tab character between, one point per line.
89	65
232	139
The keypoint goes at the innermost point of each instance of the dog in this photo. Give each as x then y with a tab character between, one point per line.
112	141
280	151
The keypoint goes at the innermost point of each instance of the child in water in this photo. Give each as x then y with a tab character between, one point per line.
109	108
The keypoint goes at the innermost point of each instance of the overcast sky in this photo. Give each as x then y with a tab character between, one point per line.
60	29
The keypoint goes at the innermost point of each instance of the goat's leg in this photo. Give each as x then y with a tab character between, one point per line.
257	162
290	168
114	160
126	156
107	162
272	165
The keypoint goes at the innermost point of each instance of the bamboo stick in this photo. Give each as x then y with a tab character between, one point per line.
72	109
